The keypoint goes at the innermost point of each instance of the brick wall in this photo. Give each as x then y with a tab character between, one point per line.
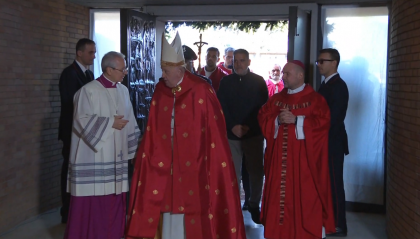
37	40
403	131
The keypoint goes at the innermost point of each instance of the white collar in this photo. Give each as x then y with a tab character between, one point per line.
84	69
329	77
297	90
209	72
180	81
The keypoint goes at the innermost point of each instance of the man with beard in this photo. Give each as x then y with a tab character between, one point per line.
211	70
227	65
275	83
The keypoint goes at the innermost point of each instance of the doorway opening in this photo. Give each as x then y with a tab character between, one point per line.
266	47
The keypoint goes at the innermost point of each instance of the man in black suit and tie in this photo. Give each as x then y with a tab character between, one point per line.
335	91
72	79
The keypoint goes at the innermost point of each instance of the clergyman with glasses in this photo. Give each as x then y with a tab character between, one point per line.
104	138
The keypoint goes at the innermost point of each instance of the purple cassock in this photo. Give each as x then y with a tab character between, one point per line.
96	217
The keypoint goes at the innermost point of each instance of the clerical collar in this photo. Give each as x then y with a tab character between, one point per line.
329	77
84	69
107	83
297	90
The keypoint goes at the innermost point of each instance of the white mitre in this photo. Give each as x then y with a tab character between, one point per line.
172	54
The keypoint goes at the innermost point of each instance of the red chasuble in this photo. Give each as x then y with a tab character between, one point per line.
215	77
297	199
197	177
272	87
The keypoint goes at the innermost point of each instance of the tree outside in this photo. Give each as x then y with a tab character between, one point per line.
265	47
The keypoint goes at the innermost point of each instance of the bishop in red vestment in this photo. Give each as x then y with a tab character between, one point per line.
296	200
184	164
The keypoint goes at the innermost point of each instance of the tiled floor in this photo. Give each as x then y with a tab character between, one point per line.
48	226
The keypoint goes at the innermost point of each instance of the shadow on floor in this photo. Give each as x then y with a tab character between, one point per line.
48	226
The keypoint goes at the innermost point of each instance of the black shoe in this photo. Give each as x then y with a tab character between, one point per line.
245	206
255	214
64	220
338	233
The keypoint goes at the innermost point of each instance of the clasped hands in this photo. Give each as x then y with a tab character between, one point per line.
240	130
119	122
286	117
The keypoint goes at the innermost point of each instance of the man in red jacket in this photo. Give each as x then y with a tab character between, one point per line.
211	70
227	65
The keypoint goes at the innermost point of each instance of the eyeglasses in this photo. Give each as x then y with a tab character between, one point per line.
124	71
275	70
321	61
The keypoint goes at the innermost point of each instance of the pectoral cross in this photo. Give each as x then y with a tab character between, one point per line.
199	45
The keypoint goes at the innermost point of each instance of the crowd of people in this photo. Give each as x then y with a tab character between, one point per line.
207	131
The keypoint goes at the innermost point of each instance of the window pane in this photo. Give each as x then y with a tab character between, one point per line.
361	35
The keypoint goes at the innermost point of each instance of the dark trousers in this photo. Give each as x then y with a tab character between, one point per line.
253	151
336	162
65	197
245	181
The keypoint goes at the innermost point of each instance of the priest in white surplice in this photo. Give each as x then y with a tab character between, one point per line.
104	139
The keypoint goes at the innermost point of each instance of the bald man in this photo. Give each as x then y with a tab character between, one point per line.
297	195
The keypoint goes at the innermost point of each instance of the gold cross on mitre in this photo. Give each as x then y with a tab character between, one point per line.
199	45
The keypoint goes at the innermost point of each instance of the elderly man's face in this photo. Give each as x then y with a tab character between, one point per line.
172	75
118	73
87	55
275	72
292	78
228	59
241	63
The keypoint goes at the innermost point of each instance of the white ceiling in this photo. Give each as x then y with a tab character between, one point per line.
140	3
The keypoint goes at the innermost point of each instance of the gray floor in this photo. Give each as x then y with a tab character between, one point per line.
48	226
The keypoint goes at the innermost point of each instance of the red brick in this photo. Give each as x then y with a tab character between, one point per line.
35	38
403	139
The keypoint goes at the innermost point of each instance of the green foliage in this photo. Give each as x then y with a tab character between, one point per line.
250	26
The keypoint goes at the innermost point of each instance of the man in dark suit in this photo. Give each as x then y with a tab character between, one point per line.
335	91
72	79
